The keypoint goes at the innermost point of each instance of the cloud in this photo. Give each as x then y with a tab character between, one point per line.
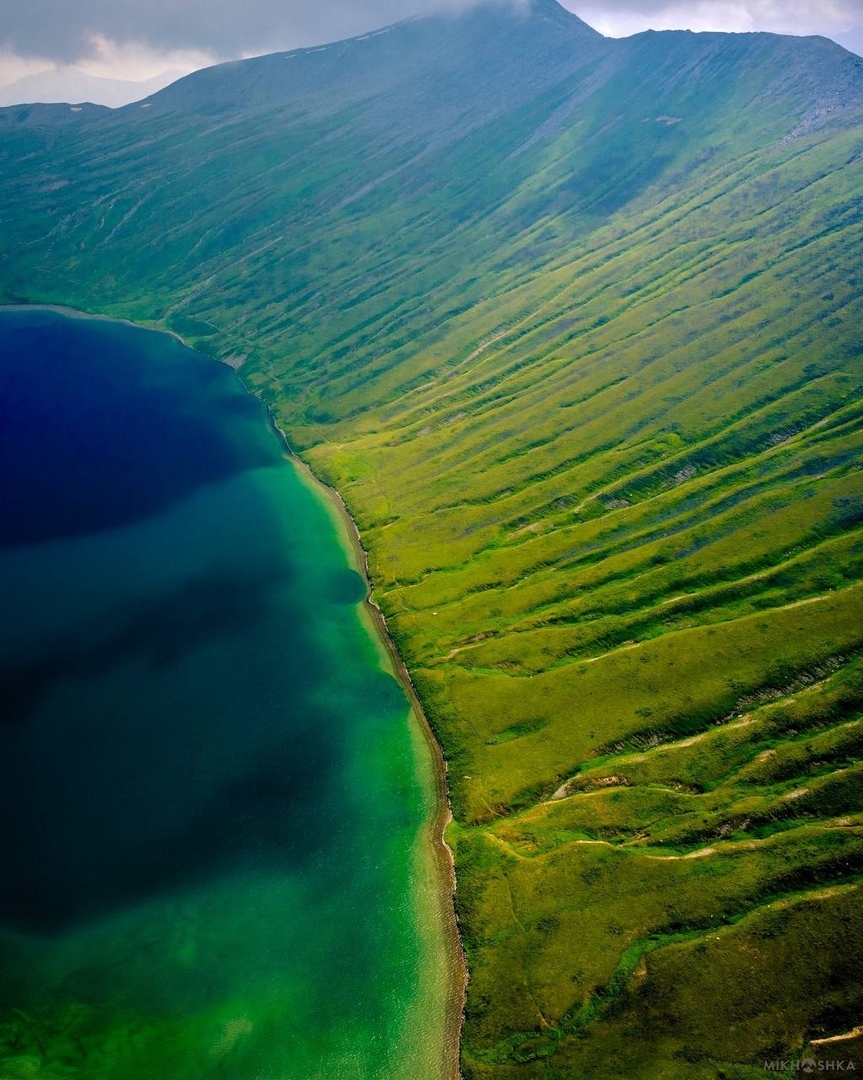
618	18
136	61
853	39
68	32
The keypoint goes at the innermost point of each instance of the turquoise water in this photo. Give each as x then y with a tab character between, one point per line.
213	860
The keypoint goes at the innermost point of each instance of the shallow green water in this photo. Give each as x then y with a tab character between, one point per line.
213	862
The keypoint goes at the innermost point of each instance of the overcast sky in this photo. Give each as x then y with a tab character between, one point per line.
135	39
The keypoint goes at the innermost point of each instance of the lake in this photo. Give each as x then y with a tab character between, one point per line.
215	859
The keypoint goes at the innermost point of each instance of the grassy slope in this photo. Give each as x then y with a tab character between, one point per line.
585	364
625	518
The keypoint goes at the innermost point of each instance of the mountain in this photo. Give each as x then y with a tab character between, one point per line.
573	324
70	85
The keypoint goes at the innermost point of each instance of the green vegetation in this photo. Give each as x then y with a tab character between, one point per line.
578	340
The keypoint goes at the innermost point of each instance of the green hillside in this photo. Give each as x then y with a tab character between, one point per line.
574	326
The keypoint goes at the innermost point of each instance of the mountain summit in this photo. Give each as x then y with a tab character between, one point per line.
557	13
465	55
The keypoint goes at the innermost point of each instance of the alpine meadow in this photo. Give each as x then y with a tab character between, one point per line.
574	325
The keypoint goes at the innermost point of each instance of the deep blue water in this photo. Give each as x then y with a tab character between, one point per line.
208	787
88	444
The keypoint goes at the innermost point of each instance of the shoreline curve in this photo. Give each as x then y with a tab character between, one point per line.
436	827
442	855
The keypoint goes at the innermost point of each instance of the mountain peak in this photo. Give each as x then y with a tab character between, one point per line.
551	9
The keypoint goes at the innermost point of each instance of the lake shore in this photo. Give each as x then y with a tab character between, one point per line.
436	887
443	865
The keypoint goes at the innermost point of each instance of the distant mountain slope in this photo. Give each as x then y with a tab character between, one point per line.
73	86
574	325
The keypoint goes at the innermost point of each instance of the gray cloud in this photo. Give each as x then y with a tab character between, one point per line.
853	40
761	11
839	19
64	31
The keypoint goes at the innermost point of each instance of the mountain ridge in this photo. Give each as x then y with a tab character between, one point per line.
260	81
475	23
432	36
